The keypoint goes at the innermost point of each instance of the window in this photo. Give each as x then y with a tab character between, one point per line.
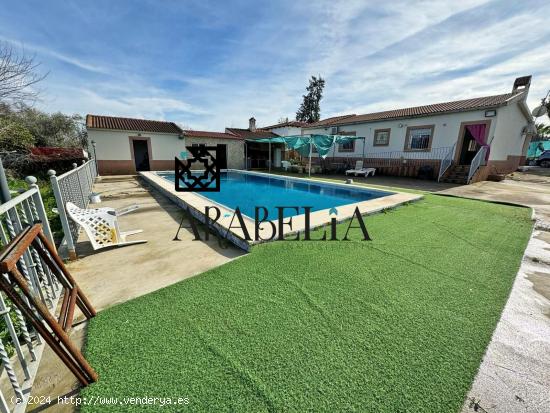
348	146
381	137
334	130
419	138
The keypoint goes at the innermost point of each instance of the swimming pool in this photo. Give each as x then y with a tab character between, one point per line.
248	190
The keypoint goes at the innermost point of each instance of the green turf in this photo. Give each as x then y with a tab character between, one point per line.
398	324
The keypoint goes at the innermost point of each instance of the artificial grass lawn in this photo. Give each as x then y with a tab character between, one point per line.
397	324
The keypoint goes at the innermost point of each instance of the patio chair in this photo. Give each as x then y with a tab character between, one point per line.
359	170
101	225
286	165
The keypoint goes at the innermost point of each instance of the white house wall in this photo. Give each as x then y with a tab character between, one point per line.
287	131
114	155
508	139
446	132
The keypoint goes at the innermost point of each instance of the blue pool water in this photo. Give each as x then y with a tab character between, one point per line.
247	191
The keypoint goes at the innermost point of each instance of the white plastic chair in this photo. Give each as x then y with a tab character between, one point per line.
359	170
101	225
285	165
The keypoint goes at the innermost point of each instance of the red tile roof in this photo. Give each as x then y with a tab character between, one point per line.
206	134
417	111
295	123
131	124
248	134
328	121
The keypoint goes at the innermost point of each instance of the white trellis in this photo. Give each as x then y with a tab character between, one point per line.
73	186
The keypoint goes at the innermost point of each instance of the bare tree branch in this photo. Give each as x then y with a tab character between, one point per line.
18	73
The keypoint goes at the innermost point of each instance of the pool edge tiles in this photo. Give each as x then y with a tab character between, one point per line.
197	204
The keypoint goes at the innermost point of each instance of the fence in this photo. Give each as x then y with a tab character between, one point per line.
73	186
446	162
433	154
478	161
21	339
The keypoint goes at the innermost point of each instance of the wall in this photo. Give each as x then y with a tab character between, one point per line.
235	149
287	131
114	155
446	131
509	140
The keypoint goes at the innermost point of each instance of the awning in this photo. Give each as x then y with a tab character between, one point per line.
303	143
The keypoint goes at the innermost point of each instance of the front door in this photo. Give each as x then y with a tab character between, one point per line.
469	149
470	146
222	159
141	155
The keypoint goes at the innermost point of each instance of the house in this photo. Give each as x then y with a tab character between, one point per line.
450	134
127	145
258	154
232	156
286	128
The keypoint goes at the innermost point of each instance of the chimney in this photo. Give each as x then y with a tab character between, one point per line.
521	84
252	124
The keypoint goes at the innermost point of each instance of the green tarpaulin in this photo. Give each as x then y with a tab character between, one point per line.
301	143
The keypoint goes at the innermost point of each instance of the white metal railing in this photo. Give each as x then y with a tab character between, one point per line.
446	162
73	186
434	153
20	368
478	161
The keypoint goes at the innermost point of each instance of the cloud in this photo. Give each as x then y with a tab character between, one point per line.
210	65
57	55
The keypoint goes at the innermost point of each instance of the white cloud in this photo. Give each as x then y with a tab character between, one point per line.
58	56
374	56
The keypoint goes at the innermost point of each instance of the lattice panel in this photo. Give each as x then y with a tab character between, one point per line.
98	222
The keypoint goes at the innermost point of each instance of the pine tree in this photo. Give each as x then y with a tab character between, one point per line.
310	109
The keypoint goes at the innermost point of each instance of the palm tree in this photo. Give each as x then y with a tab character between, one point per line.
543	131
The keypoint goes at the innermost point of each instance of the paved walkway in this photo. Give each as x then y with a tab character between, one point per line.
116	275
514	376
382	180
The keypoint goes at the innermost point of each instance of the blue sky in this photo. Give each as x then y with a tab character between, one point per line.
207	64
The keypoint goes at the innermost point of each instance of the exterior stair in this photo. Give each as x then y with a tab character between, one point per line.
456	174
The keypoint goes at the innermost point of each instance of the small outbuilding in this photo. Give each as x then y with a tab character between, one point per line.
127	145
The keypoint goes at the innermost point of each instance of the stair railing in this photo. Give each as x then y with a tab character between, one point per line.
446	162
478	161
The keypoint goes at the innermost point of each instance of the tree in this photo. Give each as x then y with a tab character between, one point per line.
14	136
310	110
18	73
52	129
543	131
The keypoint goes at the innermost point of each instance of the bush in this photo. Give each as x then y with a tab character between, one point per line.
14	136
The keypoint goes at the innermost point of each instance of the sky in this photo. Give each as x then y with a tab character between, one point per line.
213	64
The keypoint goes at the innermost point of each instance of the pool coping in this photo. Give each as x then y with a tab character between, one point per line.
196	204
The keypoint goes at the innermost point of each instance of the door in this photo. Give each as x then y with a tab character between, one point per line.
470	145
222	157
469	149
141	155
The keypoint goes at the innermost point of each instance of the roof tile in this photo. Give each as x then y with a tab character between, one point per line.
207	134
248	134
131	124
433	109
